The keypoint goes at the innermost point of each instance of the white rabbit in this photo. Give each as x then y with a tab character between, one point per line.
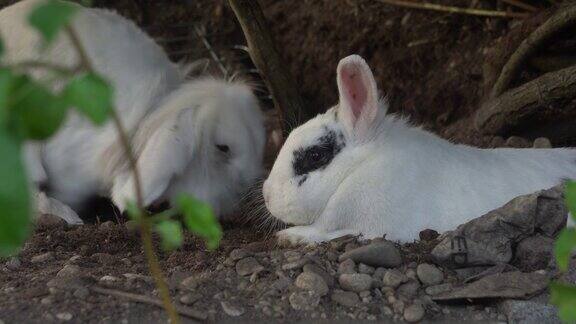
356	170
204	137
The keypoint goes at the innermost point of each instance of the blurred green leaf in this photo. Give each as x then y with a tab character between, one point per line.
570	195
14	195
133	211
170	232
564	296
199	218
38	110
91	95
50	17
565	245
6	78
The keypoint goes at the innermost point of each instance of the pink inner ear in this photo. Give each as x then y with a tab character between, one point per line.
354	88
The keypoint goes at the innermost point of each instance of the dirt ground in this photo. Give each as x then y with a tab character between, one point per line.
429	64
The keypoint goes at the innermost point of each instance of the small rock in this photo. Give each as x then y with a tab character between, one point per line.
438	289
428	235
328	279
13	264
238	254
248	266
65	316
49	300
413	313
295	264
81	293
347	266
525	311
411	274
104	258
398	307
109	279
429	274
69	270
312	282
542	142
107	225
190	298
44	257
190	283
379	273
517	142
534	252
345	298
356	282
393	278
232	310
363	268
376	254
408	290
68	283
304	300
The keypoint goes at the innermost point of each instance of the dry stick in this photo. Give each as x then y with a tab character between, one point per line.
188	312
456	10
520	4
267	59
554	24
502	114
145	228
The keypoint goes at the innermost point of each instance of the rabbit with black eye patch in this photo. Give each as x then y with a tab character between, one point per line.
356	170
204	136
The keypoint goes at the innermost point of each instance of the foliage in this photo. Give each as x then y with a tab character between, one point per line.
564	296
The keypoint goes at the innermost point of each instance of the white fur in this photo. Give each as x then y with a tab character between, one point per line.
396	179
175	124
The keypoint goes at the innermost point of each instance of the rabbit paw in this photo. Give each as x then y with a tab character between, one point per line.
306	235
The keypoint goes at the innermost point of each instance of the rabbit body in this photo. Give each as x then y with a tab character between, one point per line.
177	125
356	170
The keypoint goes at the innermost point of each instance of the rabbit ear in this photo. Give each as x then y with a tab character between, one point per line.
358	93
165	154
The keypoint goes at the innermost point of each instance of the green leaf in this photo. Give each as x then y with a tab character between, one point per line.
50	17
570	196
564	296
91	95
38	110
14	196
199	218
6	78
170	234
565	245
134	213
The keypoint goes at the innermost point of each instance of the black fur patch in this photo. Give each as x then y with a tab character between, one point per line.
319	155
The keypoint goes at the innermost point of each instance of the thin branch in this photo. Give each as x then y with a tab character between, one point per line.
215	56
185	311
455	10
554	24
145	227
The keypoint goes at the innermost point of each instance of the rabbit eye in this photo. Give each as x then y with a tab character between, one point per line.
223	148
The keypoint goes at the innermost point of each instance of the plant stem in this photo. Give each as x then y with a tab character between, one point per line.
145	227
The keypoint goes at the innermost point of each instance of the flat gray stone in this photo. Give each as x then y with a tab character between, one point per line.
376	254
356	282
429	274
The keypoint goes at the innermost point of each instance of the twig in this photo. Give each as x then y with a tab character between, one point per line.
520	4
215	56
267	59
554	24
185	311
456	10
145	227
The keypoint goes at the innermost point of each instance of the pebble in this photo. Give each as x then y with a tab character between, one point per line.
517	142
238	254
232	310
69	270
428	235
347	266
398	306
81	293
542	142
295	264
109	279
190	298
408	290
345	298
413	313
438	289
248	266
312	282
429	274
393	278
376	254
355	281
304	300
13	264
328	279
44	257
363	268
65	316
